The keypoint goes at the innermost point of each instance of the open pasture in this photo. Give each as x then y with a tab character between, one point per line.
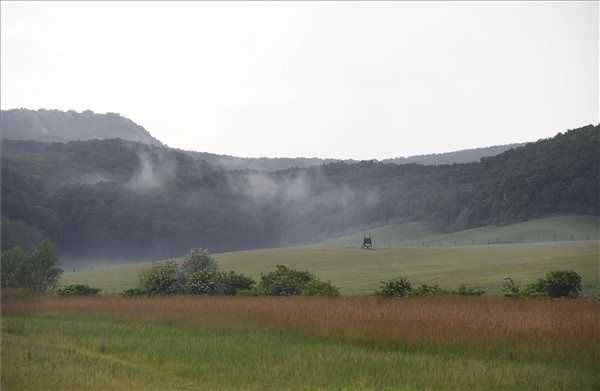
547	229
190	343
357	271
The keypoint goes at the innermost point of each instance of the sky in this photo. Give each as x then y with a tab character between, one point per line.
327	79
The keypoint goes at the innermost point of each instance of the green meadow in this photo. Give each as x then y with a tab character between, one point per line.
548	229
357	271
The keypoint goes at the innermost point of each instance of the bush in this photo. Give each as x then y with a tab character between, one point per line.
320	288
232	283
37	271
511	289
161	279
563	283
78	290
397	287
133	292
203	283
428	290
537	288
558	283
463	290
284	282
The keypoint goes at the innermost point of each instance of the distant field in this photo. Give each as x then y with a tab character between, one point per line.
358	271
549	229
280	344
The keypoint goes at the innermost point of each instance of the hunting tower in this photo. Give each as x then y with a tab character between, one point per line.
367	241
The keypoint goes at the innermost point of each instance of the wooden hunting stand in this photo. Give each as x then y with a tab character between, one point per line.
367	242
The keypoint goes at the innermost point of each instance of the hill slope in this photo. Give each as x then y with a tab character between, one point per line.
275	164
455	157
550	229
63	126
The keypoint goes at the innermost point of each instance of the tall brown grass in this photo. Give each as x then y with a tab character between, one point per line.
548	325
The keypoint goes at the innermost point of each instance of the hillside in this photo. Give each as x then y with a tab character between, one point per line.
455	157
119	198
549	229
62	126
276	164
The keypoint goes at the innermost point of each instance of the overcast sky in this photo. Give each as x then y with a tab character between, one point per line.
326	79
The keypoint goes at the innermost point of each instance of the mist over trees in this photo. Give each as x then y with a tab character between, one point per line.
122	198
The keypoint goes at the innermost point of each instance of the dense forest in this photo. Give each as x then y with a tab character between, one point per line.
123	198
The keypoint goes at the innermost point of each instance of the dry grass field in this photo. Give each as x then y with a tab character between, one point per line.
355	343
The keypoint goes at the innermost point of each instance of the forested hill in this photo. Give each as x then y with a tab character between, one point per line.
61	126
64	126
462	156
275	164
119	198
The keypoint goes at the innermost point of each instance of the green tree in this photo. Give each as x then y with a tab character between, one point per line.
199	260
44	271
37	271
13	267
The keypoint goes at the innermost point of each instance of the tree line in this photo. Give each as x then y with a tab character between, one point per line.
120	198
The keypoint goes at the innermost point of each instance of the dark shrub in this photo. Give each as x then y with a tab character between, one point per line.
78	290
284	282
397	287
428	290
563	283
133	292
463	290
161	279
233	283
320	288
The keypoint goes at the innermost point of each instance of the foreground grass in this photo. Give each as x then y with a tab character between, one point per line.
300	344
357	271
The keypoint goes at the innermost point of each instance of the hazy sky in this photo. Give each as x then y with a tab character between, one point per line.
327	79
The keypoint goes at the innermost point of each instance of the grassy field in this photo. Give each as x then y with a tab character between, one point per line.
549	229
358	271
188	343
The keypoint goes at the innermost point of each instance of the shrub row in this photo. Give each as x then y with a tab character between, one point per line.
401	287
199	275
558	283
